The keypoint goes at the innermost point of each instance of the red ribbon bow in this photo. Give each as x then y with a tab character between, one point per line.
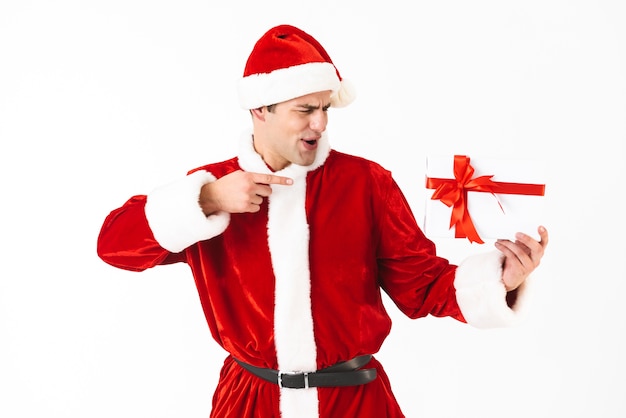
453	193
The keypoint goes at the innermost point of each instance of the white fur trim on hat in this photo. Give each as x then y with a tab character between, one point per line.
481	294
175	216
258	90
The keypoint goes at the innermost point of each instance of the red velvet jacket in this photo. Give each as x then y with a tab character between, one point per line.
297	286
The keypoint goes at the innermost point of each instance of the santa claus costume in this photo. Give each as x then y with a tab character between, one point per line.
295	288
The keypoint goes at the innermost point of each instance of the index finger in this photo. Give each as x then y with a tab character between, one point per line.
537	248
270	179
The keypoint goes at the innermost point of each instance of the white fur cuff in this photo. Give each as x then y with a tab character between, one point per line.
481	294
175	216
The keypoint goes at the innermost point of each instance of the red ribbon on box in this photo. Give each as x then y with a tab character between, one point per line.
453	193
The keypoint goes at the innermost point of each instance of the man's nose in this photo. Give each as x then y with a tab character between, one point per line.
319	121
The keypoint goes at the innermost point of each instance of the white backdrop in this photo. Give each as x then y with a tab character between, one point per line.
101	100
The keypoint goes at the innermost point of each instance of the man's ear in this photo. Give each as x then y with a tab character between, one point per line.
259	113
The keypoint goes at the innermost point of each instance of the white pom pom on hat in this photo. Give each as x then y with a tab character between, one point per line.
286	63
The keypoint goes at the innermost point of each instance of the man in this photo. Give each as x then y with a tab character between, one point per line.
290	243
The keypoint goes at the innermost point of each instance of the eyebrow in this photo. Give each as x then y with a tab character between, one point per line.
312	107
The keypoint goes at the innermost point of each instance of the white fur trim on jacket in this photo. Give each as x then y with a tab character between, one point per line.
175	216
288	241
481	294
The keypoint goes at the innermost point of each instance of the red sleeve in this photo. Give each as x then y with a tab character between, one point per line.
418	281
126	240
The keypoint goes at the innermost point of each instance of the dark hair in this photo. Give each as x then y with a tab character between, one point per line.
270	108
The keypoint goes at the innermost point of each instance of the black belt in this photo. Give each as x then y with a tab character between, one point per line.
346	373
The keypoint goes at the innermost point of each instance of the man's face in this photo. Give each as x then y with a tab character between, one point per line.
290	133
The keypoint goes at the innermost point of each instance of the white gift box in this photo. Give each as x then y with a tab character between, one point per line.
494	216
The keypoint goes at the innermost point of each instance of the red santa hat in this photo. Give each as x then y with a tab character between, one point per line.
287	63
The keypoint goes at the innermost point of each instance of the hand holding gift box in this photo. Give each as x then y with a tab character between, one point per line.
489	198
